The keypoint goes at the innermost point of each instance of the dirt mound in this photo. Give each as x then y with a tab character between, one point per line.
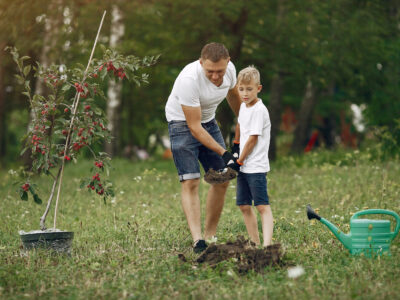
220	176
245	253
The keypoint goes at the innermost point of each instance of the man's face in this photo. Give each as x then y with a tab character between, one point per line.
248	92
215	71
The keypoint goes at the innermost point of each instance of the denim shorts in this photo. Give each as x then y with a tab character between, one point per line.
252	187
187	151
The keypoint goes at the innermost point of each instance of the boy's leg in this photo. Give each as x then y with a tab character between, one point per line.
191	206
214	206
250	219
267	221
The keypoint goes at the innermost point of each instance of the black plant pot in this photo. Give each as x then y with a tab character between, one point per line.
59	241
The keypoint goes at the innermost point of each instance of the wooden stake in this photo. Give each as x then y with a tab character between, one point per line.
75	107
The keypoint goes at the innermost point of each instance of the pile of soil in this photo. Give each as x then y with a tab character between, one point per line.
246	254
220	176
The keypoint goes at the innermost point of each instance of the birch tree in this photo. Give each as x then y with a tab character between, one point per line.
114	87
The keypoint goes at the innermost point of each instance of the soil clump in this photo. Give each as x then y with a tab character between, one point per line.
246	255
219	176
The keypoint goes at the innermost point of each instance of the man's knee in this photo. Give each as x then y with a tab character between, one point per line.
190	185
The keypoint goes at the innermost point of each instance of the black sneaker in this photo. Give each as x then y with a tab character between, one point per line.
199	246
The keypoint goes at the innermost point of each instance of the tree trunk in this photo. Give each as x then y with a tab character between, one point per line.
304	119
275	112
49	43
114	87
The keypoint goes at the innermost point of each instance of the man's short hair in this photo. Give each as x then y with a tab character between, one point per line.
214	52
248	74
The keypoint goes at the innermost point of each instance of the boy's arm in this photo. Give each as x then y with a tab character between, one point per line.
248	148
237	133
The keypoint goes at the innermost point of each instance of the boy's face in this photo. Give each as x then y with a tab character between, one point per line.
215	71
248	92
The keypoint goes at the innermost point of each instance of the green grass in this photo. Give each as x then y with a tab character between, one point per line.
128	248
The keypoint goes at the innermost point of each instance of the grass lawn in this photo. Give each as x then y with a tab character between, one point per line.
128	247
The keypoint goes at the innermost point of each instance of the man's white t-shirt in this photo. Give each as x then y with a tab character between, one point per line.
255	120
193	88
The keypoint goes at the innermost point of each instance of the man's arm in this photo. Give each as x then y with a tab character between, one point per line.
248	147
234	100
193	119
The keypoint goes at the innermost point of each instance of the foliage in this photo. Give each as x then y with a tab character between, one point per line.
129	247
390	139
348	48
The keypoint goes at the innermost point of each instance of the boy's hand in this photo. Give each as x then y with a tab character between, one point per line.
234	166
236	149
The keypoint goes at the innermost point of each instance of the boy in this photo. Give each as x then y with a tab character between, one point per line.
254	129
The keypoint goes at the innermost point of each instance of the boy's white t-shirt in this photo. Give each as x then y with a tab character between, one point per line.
193	88
255	120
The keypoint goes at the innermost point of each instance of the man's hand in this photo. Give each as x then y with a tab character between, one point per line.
236	149
230	161
228	158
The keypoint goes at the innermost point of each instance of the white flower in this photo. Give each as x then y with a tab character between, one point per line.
295	272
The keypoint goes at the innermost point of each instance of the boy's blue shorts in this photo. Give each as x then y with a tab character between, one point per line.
252	187
187	151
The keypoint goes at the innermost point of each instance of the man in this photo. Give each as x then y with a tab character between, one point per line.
195	136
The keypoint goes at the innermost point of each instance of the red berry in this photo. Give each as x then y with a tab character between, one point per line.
76	84
66	110
101	68
95	75
67	157
87	107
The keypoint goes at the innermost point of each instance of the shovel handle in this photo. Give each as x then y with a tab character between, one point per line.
380	212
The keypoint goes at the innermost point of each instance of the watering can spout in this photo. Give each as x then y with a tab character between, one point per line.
345	239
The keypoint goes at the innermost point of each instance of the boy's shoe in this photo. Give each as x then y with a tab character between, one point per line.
199	246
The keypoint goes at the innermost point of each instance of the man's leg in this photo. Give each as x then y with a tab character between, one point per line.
191	206
250	219
214	205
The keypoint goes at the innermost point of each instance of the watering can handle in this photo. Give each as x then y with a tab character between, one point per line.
380	212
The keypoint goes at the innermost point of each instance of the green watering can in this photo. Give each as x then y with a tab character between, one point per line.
366	236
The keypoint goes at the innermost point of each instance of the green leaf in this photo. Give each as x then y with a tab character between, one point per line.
23	151
37	199
65	87
103	73
23	195
26	94
24	58
27	69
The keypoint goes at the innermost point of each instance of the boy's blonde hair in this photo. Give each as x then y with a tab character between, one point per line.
248	74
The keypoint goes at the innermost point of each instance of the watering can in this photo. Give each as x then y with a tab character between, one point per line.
366	236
